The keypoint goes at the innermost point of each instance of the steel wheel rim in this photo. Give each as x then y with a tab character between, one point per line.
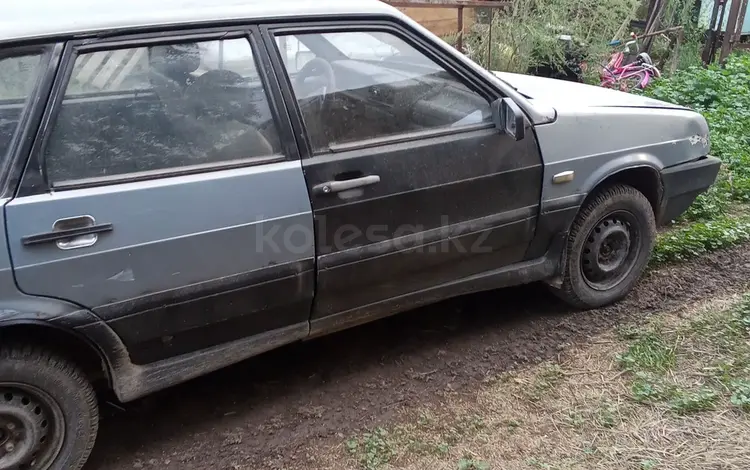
610	251
31	427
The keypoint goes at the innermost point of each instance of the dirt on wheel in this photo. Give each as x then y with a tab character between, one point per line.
272	410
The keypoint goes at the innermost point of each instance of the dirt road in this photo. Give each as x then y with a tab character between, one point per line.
272	411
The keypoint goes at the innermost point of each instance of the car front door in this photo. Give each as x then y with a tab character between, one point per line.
161	195
412	186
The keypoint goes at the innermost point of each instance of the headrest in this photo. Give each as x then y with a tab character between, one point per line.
175	59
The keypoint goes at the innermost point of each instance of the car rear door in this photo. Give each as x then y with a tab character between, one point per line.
412	186
160	194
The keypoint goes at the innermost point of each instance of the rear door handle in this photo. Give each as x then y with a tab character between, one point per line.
337	186
70	233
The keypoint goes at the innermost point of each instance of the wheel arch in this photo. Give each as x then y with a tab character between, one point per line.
644	177
66	342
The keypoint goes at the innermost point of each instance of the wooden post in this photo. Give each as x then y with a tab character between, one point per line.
726	45
489	40
653	23
713	33
460	41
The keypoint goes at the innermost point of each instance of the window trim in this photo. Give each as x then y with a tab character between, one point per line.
411	136
472	81
18	151
36	180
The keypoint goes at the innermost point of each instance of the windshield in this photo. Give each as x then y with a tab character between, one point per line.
18	77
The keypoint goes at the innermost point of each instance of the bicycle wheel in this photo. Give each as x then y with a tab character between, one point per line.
632	80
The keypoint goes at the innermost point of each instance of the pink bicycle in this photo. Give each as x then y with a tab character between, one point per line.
626	77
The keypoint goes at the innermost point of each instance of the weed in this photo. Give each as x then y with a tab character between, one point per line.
721	94
699	238
647	388
373	451
740	394
575	419
648	464
703	399
443	448
628	332
608	415
726	371
589	449
421	447
352	446
650	352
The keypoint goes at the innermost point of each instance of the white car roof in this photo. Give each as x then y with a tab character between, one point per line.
25	19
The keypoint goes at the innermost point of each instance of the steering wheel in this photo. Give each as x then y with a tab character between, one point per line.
315	81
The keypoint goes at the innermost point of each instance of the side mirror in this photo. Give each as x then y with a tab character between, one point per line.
508	117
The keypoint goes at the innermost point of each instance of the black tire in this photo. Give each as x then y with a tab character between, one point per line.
607	219
51	401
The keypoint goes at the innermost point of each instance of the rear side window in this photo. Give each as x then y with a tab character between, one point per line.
175	106
18	76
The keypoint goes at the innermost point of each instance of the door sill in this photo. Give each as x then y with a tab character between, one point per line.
520	273
131	381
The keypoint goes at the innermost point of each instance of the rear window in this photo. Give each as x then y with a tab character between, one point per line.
18	76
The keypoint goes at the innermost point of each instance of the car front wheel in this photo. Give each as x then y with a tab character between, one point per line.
609	246
48	411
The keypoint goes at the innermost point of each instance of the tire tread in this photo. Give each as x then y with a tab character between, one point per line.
567	291
43	360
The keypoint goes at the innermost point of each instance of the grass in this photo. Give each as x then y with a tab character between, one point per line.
718	218
701	237
649	352
671	393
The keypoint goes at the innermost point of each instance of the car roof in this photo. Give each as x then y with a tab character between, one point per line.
27	19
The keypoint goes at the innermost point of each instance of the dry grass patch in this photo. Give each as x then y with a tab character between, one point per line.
670	394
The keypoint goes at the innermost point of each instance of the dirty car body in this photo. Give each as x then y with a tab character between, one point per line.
194	183
598	132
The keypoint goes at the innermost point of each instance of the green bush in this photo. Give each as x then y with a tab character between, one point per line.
722	95
529	30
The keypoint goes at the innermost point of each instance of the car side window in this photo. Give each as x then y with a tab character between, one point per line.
174	106
18	76
361	85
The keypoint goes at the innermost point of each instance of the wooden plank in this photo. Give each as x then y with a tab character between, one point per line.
708	49
441	21
726	46
460	42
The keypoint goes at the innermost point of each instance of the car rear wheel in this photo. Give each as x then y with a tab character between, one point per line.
609	246
48	411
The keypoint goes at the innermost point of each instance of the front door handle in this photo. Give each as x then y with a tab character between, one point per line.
337	186
70	233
